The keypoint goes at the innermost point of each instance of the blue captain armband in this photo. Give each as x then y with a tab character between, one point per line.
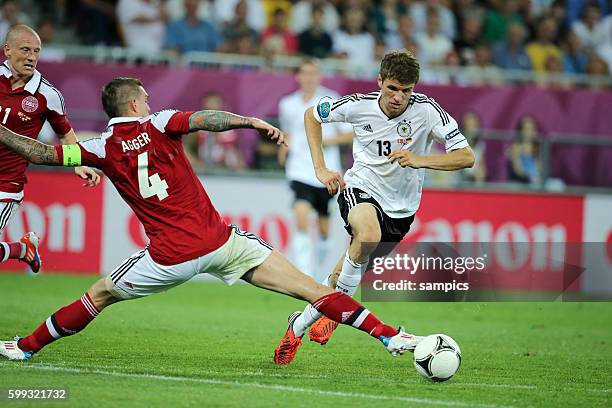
72	155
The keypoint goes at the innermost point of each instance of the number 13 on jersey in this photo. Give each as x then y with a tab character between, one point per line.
150	185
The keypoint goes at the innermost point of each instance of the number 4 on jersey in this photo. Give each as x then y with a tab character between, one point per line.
150	185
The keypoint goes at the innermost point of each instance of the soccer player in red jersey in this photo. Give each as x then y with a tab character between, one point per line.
27	100
142	155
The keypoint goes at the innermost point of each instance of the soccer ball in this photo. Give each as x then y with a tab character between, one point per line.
437	357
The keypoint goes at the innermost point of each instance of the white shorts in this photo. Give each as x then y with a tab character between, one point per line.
140	275
7	210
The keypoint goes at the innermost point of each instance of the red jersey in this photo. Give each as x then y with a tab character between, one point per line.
24	111
145	161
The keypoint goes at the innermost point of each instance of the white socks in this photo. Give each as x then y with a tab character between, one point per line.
349	278
348	282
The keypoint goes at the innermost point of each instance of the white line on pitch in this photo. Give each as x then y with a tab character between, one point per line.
212	381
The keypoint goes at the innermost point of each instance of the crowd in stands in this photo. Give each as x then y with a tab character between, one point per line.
486	36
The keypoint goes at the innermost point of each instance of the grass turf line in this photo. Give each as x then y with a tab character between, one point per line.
213	343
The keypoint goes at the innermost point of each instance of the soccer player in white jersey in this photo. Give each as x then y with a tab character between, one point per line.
309	192
379	196
142	155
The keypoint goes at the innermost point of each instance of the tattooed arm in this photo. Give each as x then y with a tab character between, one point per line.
219	121
32	150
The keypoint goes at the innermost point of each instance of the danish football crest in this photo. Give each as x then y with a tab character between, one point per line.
29	104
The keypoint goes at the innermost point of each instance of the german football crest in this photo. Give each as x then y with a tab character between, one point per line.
29	104
404	131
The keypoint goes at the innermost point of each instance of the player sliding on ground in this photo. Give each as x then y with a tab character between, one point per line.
379	195
142	155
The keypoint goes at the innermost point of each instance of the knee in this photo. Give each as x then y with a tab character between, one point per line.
369	235
101	295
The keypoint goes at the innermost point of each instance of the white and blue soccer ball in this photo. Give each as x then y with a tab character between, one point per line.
437	357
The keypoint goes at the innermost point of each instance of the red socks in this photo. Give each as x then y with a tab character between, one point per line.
10	250
346	310
67	321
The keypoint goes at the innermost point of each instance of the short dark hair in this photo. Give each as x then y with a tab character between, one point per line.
117	93
401	66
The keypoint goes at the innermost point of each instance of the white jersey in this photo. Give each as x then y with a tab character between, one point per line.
291	117
397	190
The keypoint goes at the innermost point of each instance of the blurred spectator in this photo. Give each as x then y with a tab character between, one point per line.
315	41
384	17
191	33
542	47
470	34
604	35
433	46
11	14
482	71
553	78
605	53
214	149
97	22
498	19
558	12
353	41
587	28
598	66
524	162
404	34
465	9
278	29
142	24
239	36
420	11
59	11
176	10
255	13
575	56
539	8
511	53
470	128
575	8
301	15
50	51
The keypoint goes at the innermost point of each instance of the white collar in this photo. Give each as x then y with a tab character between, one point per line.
122	119
31	86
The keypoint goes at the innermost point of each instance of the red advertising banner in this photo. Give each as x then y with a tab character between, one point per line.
68	219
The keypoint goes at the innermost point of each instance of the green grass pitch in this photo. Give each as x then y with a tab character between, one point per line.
207	345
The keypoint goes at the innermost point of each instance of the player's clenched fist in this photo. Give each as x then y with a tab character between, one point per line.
332	180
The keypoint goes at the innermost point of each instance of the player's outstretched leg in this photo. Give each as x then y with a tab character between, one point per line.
278	274
344	309
26	250
67	321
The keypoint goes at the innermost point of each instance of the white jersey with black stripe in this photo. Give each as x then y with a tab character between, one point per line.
397	189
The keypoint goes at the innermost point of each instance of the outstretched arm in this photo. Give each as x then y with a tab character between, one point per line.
90	176
32	150
219	121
